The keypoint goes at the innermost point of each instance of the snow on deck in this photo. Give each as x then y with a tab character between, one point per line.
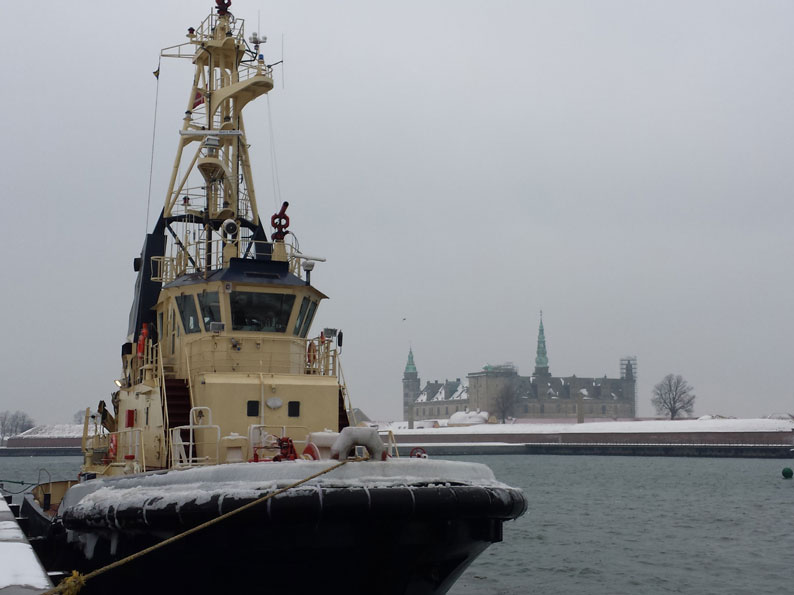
20	570
609	427
251	480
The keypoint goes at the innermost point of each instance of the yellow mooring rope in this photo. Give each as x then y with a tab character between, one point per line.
72	584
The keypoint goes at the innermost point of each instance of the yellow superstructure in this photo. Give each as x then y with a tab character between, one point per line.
218	363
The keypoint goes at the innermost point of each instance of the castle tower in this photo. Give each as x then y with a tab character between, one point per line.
411	389
628	375
541	358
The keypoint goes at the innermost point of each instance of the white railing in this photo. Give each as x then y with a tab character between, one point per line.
263	438
191	257
185	454
122	446
255	354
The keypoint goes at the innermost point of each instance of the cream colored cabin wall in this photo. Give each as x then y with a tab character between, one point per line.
138	398
227	396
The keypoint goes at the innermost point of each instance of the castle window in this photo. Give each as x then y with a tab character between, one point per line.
603	408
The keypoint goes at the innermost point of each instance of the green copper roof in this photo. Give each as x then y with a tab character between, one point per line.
541	360
410	367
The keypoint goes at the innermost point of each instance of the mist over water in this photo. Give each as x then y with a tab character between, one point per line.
628	525
615	525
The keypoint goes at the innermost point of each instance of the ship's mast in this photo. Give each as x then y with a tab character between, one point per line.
210	196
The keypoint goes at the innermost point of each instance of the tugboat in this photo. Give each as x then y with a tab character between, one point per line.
226	398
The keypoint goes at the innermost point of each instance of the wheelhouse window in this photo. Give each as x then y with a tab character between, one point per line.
187	310
309	315
263	312
210	307
301	316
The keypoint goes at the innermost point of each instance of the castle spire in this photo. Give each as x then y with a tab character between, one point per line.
541	358
410	367
411	383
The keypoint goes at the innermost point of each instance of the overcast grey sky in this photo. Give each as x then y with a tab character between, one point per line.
625	166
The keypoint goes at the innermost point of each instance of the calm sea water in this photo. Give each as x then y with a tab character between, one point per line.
637	525
617	525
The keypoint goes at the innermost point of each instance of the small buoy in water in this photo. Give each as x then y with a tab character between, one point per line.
787	472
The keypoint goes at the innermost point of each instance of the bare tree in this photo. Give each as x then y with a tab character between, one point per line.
505	401
673	395
4	415
15	423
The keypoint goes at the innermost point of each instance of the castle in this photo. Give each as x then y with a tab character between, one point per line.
502	392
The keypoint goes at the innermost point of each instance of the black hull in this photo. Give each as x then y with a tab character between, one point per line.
386	540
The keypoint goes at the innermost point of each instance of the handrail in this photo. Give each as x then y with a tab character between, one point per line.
345	394
191	459
164	398
391	443
256	353
267	427
166	268
189	380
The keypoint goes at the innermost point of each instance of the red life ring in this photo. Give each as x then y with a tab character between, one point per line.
311	353
311	452
142	340
418	453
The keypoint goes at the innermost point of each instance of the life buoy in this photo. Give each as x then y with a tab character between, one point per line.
418	453
311	452
142	339
113	446
311	353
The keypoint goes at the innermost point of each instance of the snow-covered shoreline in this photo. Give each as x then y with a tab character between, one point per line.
612	427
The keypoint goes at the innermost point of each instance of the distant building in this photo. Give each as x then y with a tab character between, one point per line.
503	392
53	436
437	400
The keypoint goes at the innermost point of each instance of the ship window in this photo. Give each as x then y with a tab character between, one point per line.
301	315
267	312
294	409
210	307
308	322
187	309
252	408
